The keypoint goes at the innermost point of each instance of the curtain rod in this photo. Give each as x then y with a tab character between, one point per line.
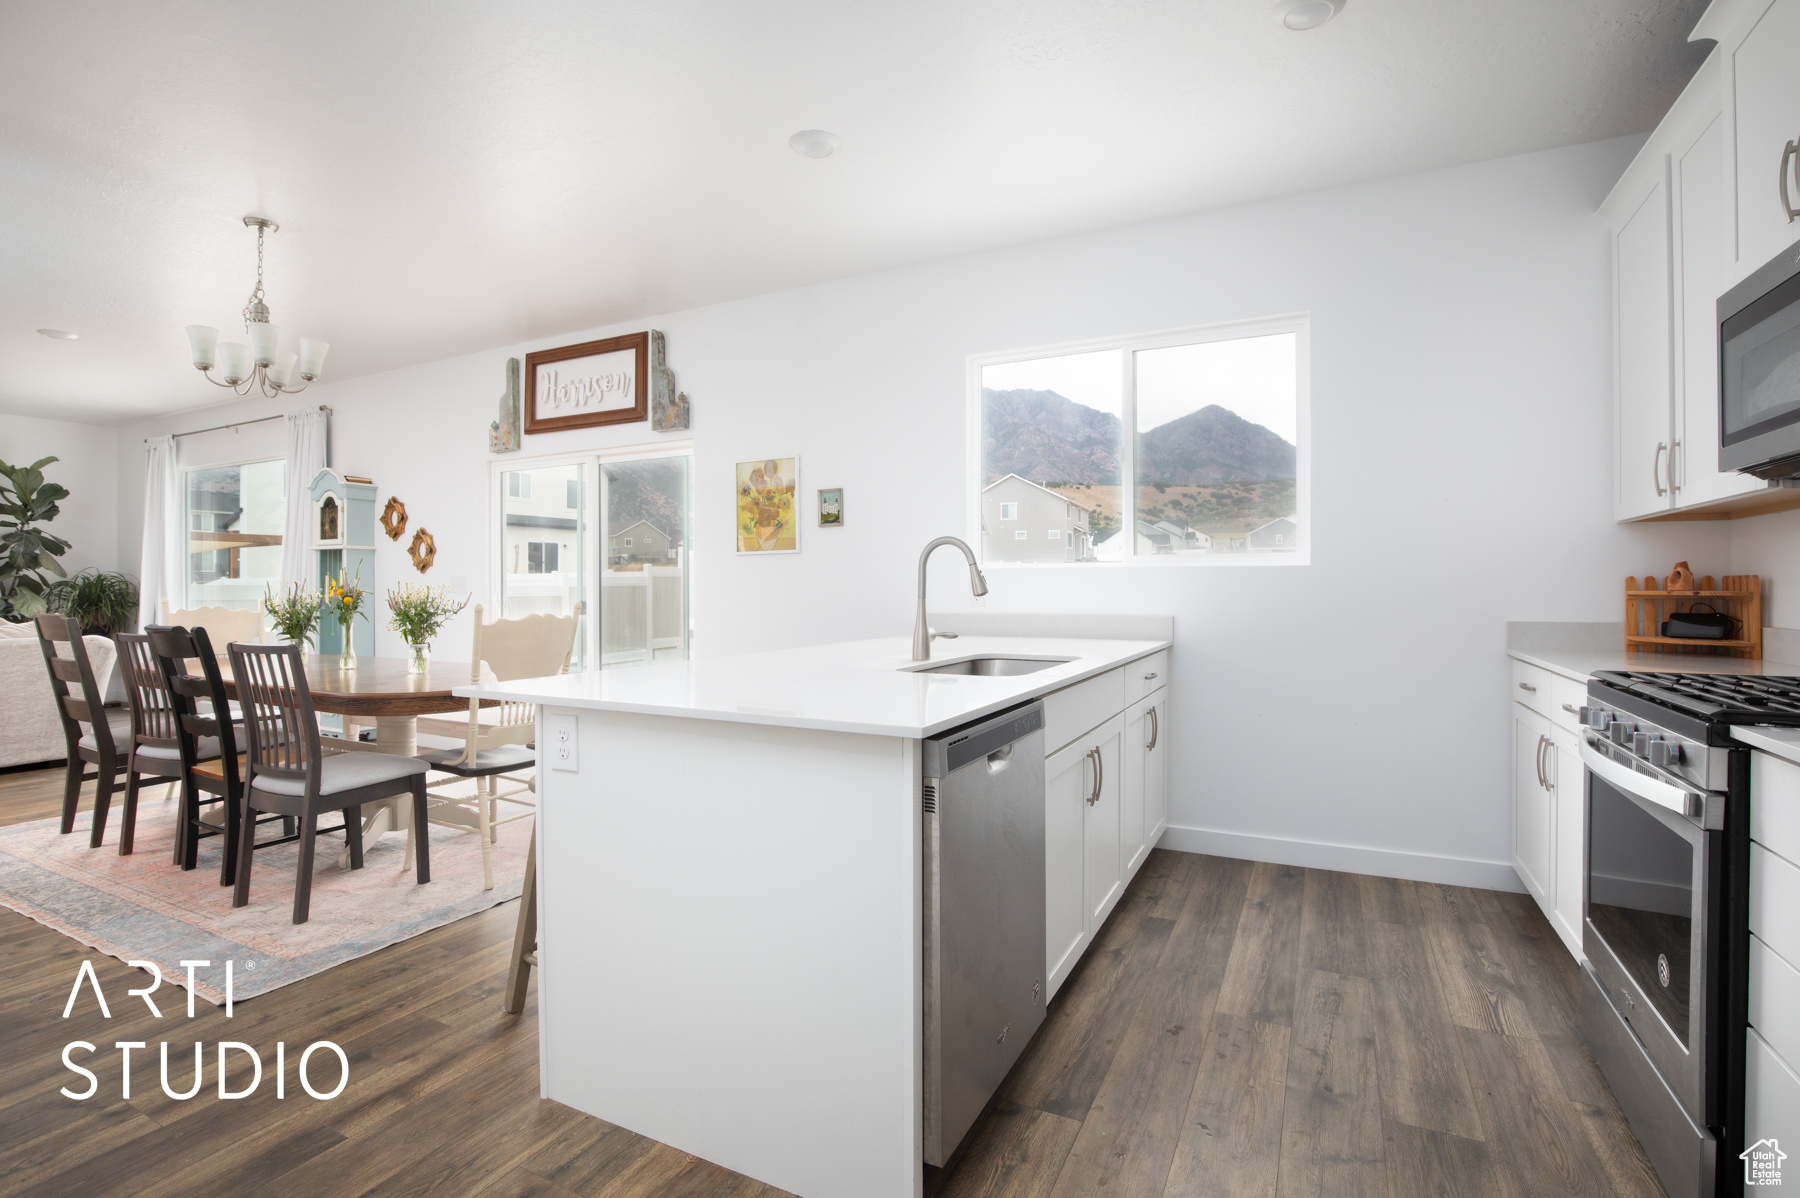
236	424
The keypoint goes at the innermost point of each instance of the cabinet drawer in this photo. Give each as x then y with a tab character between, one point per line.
1771	1093
1550	695
1775	902
1074	709
1145	675
1775	807
1774	1000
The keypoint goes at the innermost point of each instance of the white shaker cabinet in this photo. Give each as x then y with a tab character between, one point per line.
1105	802
1642	384
1765	70
1549	797
1534	817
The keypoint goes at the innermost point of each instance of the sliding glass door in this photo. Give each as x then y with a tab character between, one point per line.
542	539
644	571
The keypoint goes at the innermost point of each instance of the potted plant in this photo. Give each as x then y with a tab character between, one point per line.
294	613
344	600
101	602
28	554
418	612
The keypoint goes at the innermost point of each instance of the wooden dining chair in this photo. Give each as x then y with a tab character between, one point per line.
494	743
153	748
91	730
288	773
212	758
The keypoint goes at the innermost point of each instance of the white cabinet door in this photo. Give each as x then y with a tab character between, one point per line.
1066	787
1767	91
1702	262
1143	797
1105	863
1642	367
1533	817
1569	850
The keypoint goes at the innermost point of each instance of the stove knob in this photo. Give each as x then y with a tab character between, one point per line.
1664	753
1598	719
1586	716
1640	743
1621	732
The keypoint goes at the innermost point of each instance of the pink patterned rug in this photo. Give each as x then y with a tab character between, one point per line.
143	908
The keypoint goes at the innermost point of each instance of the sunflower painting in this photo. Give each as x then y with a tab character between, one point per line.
766	520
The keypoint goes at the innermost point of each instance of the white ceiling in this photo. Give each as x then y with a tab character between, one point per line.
454	176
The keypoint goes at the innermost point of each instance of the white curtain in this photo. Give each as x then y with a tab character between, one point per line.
160	569
307	434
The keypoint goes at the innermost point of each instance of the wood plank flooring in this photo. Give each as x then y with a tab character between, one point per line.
1237	1029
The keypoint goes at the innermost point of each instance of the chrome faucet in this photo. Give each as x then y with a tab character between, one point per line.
921	633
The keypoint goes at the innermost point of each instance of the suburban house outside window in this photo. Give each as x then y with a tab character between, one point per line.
235	518
1209	425
572	495
518	484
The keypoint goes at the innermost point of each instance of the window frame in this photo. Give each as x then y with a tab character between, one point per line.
1297	323
190	601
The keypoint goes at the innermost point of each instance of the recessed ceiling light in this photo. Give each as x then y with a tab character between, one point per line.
1307	14
60	334
814	143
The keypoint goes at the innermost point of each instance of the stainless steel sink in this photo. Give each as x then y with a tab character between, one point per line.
993	667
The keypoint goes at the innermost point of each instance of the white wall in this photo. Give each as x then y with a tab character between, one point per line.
1461	425
1770	546
88	466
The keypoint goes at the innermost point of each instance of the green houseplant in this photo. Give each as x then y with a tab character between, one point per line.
27	552
101	602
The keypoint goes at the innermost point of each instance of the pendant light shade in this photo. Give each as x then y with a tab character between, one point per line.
282	371
265	339
203	339
234	361
312	358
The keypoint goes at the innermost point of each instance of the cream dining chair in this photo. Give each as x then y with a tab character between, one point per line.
493	744
223	624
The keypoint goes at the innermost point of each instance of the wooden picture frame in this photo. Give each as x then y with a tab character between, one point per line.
584	399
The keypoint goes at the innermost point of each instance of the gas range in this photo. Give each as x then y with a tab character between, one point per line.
1682	722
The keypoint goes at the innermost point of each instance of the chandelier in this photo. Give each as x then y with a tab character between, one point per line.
260	365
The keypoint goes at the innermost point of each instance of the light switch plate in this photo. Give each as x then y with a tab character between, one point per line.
560	728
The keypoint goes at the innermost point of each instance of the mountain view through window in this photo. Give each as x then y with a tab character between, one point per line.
1215	456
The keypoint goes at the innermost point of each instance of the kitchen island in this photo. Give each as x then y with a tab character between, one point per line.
729	882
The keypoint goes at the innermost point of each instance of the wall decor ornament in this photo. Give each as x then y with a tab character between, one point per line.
423	551
831	508
393	518
668	407
767	521
594	383
503	434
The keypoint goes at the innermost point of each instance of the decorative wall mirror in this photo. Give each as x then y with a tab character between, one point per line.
423	551
393	518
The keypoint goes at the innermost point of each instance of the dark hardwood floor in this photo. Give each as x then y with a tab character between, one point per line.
1237	1029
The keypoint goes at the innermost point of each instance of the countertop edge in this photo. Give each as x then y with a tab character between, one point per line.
1037	690
1768	740
1544	663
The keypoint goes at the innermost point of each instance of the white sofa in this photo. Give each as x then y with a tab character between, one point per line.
30	729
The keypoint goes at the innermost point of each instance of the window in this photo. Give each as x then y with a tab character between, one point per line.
1020	535
572	496
1209	426
235	518
627	542
1056	534
518	484
541	557
538	571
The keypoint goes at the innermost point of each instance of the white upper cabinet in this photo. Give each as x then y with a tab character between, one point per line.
1643	412
1765	68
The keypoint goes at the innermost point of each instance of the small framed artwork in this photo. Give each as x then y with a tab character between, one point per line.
767	508
831	508
596	382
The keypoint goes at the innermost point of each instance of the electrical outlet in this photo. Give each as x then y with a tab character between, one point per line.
561	730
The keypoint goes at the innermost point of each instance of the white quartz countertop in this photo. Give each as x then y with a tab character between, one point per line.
1581	664
856	686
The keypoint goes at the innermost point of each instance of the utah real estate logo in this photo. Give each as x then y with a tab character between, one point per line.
1762	1163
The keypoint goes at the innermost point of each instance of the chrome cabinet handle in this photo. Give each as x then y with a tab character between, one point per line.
1150	677
1099	773
1570	709
1155	730
1656	469
1526	686
1674	451
1538	761
1093	795
1788	153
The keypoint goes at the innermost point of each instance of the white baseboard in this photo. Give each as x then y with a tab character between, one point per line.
1347	858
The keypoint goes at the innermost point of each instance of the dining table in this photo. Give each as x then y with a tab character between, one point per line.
383	693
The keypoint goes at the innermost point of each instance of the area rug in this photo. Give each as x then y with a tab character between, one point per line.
143	908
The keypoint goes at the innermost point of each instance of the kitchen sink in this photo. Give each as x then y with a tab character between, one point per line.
992	667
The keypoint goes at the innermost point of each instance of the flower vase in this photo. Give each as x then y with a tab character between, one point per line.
418	659
347	657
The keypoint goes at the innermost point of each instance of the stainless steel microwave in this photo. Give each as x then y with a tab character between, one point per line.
1759	371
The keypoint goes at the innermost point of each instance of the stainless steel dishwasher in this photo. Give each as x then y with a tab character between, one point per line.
983	810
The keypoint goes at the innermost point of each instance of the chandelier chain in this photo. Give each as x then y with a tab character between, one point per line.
256	308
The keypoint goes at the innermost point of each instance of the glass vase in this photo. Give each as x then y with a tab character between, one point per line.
418	658
347	657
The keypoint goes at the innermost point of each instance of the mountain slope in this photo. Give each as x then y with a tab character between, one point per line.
1212	445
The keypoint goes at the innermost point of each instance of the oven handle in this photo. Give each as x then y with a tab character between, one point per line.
1644	781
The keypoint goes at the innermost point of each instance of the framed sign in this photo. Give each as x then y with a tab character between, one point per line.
596	382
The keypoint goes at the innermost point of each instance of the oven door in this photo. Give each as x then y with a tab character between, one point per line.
1654	895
